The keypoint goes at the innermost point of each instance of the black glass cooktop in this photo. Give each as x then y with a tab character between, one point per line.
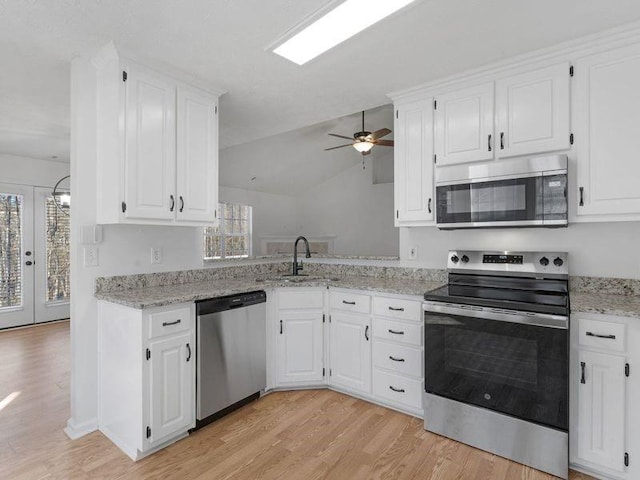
512	293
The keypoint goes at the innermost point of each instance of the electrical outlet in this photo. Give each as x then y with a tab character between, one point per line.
91	256
156	255
413	252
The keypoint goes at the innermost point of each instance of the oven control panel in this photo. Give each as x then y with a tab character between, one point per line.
543	263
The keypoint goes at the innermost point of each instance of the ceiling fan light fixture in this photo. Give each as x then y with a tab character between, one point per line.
339	24
363	147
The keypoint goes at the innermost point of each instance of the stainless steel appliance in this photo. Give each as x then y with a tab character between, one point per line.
231	355
497	354
524	192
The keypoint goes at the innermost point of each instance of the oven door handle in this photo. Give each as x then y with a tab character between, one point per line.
525	318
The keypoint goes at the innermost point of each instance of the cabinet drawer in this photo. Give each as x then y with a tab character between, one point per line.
409	333
607	335
293	298
396	389
350	302
171	321
398	358
397	308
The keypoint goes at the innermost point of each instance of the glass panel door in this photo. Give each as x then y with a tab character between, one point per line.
16	255
513	368
52	287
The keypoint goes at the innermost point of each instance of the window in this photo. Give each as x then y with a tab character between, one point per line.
58	257
232	237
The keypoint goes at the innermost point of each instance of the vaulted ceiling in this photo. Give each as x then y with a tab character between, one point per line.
224	43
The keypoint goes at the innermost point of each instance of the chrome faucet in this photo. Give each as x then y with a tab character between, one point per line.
296	267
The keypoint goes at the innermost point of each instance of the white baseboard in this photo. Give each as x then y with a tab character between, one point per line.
75	431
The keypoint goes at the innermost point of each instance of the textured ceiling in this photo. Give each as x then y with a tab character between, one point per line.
224	42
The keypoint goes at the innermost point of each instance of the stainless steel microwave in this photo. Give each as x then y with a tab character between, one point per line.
525	192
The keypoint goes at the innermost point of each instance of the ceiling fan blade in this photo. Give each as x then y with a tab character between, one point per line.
340	136
380	133
385	143
340	146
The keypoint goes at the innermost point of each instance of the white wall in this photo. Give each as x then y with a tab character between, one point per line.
595	249
125	249
31	171
351	207
272	214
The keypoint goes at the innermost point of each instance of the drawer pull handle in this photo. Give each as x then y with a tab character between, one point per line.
609	337
348	303
189	350
396	309
396	332
168	324
397	390
396	359
582	367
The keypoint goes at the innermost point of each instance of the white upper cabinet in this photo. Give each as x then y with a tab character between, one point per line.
532	112
157	146
464	125
413	154
607	121
197	164
150	154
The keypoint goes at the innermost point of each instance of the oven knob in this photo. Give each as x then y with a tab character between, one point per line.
464	259
558	262
544	261
454	259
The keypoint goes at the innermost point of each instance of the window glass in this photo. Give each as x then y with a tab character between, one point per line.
232	237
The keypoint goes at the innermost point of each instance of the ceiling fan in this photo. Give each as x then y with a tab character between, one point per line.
364	141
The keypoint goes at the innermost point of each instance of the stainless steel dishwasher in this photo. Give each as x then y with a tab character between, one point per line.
231	355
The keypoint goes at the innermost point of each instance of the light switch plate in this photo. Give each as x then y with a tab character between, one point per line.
91	256
156	255
413	252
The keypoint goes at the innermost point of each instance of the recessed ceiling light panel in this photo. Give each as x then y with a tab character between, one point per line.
336	26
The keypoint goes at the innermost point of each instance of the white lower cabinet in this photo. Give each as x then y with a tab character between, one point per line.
398	356
350	346
604	432
172	385
146	375
299	336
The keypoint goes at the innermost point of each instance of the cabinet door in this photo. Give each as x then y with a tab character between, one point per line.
414	163
197	164
607	124
350	345
150	157
464	125
172	376
299	345
601	409
533	112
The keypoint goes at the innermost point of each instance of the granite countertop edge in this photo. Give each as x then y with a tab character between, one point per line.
150	297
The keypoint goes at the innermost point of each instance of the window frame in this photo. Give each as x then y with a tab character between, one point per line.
224	235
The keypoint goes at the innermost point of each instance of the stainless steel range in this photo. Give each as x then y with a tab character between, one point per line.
497	353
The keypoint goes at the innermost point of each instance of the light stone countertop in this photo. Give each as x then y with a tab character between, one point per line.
158	296
606	303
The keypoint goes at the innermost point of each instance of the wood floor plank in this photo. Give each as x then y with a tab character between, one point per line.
306	434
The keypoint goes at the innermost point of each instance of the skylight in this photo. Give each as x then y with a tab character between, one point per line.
341	23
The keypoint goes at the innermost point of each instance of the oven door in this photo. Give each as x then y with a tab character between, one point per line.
521	201
512	364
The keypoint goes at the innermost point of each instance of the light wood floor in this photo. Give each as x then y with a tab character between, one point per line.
314	434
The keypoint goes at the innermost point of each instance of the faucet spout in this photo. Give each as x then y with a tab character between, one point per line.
296	268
